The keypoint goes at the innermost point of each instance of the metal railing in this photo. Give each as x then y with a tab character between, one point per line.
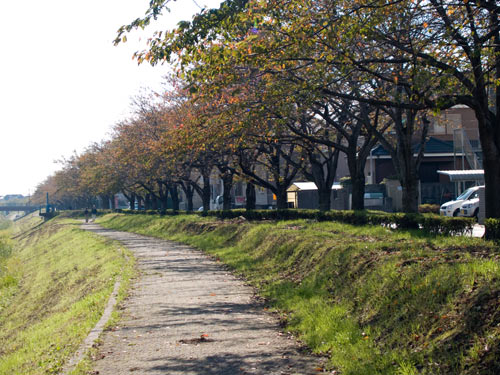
462	148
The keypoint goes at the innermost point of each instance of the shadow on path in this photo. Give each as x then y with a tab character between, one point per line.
186	314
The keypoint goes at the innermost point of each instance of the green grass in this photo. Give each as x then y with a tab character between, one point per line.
61	278
374	301
26	224
4	223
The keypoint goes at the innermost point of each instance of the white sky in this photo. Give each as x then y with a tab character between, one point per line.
62	82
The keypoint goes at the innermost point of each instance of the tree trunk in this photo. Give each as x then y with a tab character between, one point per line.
281	198
492	190
403	159
324	181
155	202
174	194
188	189
113	203
408	178
189	198
250	196
324	198
227	183
492	184
164	201
490	145
410	195
488	118
358	192
147	201
163	195
356	170
105	202
131	199
205	196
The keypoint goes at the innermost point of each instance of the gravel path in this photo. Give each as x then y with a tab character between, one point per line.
188	315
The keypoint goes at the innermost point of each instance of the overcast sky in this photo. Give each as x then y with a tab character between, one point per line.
62	82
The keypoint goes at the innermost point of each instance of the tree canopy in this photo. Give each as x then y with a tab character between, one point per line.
278	88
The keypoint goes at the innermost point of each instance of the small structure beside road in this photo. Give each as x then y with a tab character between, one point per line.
305	195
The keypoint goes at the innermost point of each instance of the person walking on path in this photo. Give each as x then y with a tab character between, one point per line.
94	213
86	213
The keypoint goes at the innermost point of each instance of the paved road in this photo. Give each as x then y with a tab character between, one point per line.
188	315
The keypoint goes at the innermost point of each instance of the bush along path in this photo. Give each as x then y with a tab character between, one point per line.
186	314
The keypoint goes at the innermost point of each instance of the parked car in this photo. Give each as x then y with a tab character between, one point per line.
470	208
469	196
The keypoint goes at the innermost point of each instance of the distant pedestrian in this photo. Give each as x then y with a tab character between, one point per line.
86	212
94	213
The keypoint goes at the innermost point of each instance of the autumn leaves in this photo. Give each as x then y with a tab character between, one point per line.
269	90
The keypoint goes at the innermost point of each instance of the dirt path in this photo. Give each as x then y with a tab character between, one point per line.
187	315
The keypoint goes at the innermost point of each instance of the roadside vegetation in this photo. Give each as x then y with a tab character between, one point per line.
55	280
373	300
4	223
267	93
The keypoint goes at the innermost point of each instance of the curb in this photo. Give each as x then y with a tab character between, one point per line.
93	334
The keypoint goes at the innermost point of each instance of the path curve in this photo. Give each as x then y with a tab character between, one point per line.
187	315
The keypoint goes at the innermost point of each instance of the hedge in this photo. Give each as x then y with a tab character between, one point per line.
428	222
429	208
492	229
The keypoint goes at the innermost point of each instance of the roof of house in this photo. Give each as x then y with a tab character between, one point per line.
432	146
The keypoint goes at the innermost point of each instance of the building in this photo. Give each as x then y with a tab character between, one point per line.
305	195
453	144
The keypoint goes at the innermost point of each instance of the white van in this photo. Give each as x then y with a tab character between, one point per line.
468	197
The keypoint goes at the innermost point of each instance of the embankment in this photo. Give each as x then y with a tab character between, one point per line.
55	281
374	301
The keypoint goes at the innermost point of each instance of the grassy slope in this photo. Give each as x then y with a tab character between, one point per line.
60	278
376	302
4	223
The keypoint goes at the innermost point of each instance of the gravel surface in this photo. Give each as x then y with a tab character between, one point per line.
187	314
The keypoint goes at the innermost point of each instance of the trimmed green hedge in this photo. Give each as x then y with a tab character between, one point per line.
428	222
492	229
429	208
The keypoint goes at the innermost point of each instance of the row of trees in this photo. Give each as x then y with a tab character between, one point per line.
266	90
172	143
400	59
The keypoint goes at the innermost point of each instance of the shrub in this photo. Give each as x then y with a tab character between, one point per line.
429	222
492	229
406	221
428	208
447	225
5	247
